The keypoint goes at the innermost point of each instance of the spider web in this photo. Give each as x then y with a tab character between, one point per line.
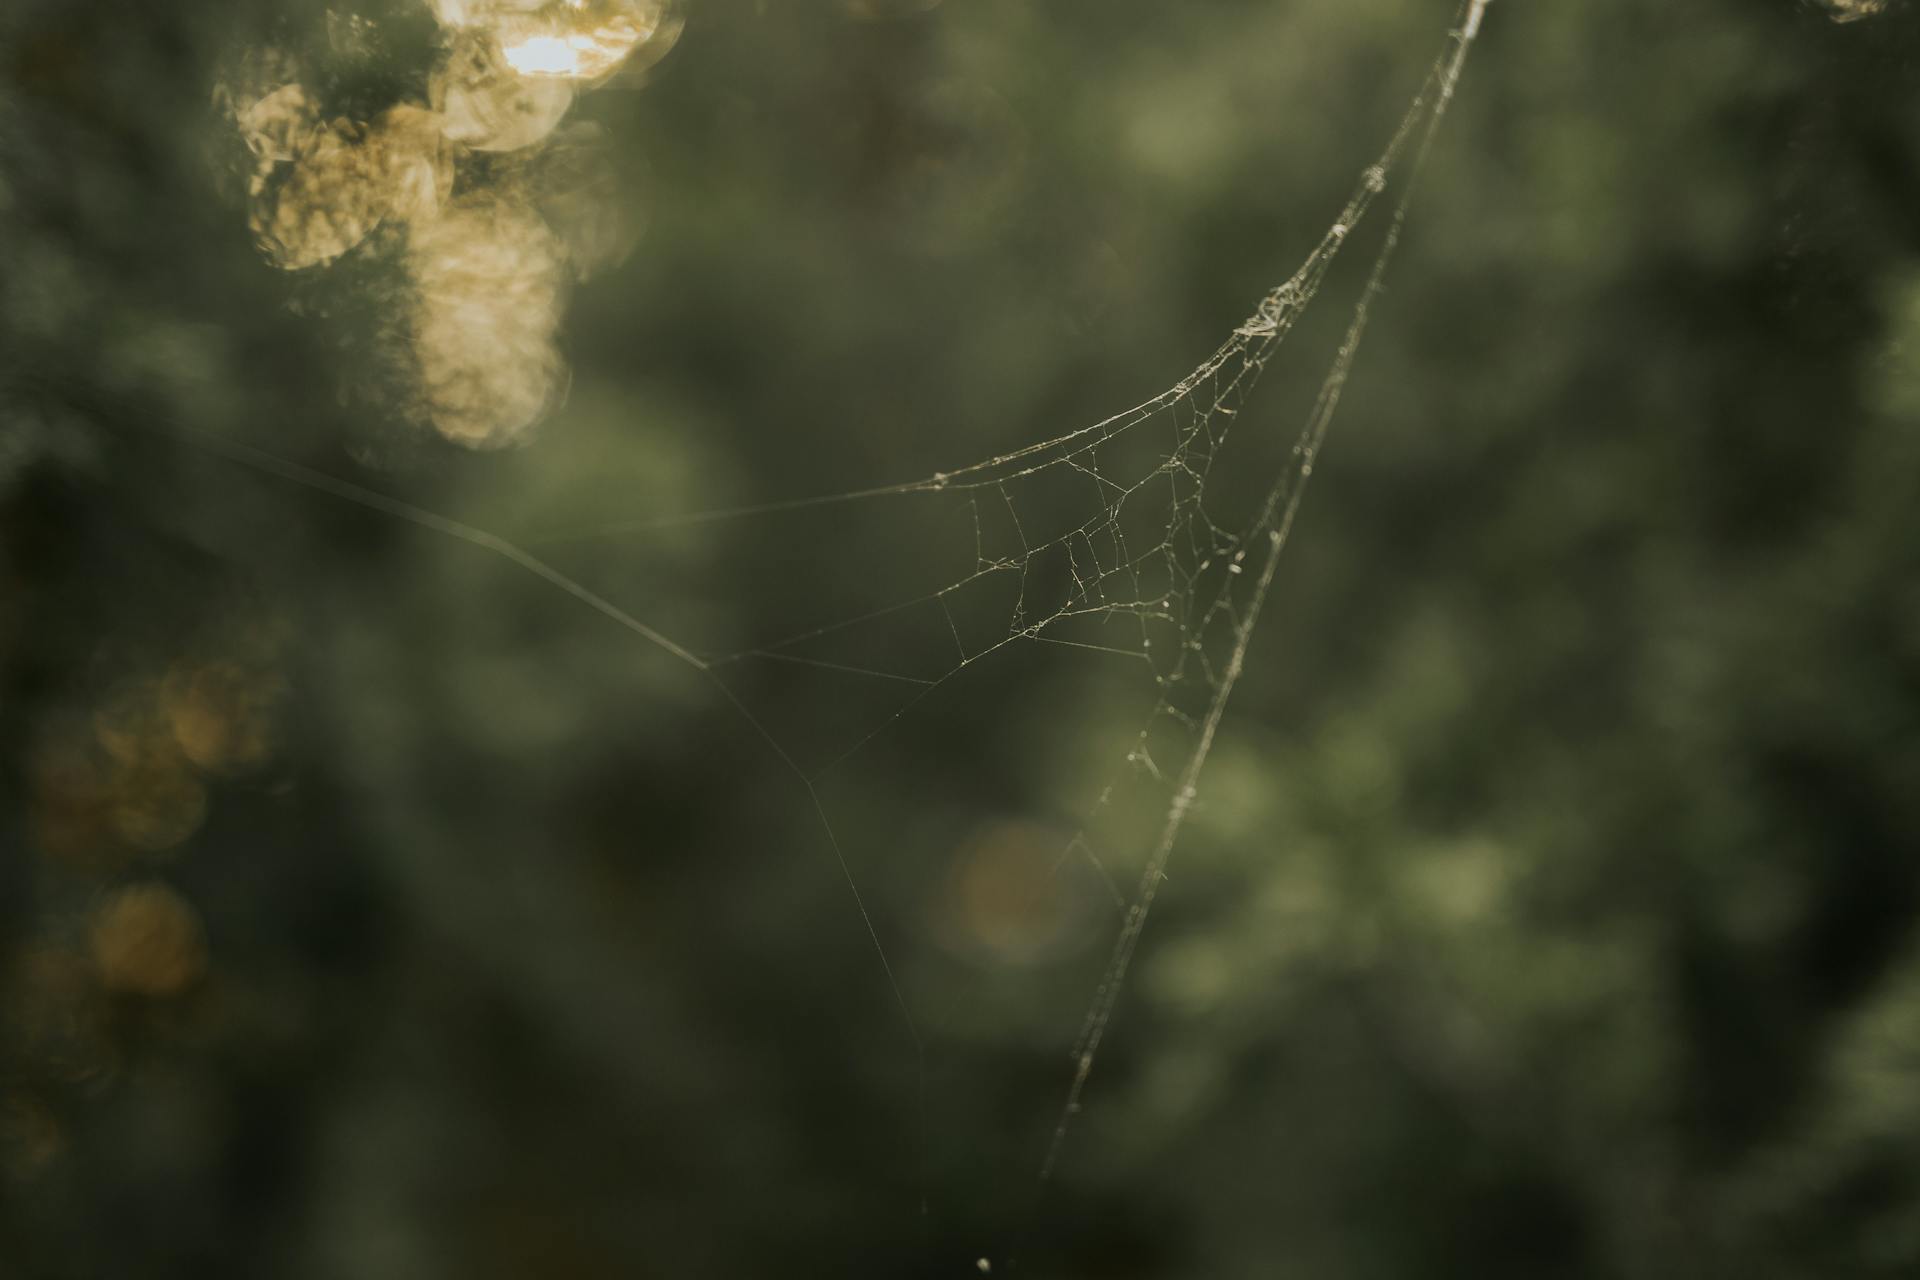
1128	539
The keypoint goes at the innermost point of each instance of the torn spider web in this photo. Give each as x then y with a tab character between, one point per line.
1152	567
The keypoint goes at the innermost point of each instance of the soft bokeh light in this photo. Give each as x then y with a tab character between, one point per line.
1854	10
30	1136
1012	899
147	940
569	39
489	281
483	251
489	105
221	713
344	181
54	1019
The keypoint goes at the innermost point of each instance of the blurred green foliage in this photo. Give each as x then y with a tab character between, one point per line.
1548	910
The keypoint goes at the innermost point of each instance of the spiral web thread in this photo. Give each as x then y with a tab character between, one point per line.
1150	575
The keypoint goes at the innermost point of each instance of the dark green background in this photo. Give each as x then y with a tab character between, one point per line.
1548	908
